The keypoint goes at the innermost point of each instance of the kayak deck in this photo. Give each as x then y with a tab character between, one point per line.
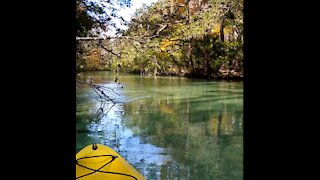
99	162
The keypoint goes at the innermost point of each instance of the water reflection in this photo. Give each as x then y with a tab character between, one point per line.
171	128
111	130
202	143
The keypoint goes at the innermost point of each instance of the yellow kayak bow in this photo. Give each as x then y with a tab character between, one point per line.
99	162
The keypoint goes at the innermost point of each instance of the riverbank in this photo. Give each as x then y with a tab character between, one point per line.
223	74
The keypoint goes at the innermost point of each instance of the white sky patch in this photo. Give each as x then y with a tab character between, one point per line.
136	4
126	13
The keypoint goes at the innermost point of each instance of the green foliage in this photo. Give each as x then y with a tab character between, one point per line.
171	37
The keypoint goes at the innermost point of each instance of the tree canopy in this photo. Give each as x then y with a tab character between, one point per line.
169	37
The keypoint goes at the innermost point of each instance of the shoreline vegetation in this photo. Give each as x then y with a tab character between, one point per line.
189	76
186	38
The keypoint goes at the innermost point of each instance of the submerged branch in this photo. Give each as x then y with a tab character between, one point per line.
105	96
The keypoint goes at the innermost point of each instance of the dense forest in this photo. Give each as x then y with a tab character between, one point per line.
195	38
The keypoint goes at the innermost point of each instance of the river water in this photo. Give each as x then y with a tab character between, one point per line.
166	127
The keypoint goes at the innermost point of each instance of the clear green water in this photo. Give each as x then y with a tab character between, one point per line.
168	127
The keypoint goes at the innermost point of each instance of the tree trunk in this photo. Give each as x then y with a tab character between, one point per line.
191	66
188	9
222	31
206	63
172	6
155	71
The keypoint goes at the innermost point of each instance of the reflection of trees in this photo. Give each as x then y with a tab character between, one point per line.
205	143
219	124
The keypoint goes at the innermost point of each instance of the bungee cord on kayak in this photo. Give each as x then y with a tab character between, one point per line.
113	158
